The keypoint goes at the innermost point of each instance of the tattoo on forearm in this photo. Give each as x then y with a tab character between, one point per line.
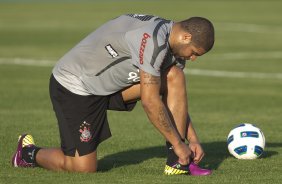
150	79
163	120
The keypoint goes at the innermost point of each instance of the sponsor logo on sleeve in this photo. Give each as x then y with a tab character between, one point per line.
143	46
111	51
133	77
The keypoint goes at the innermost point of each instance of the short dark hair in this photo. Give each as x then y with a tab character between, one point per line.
202	31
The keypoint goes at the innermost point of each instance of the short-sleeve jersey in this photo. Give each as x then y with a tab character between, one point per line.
110	58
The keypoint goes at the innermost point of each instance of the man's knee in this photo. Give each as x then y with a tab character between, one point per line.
175	78
84	168
175	75
84	164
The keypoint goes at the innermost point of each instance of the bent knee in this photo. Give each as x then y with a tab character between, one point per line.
85	169
175	75
84	164
82	167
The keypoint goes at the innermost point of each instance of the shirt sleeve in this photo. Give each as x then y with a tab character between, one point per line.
148	46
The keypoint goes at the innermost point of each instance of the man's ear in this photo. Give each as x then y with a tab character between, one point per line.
186	38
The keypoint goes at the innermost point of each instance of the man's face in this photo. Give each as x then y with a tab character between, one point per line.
184	48
187	51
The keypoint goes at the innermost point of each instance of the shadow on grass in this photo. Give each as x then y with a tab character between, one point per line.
267	153
216	153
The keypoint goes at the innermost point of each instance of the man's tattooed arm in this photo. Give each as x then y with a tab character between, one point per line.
163	119
154	107
151	80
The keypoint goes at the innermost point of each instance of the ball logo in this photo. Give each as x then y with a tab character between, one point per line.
249	134
143	46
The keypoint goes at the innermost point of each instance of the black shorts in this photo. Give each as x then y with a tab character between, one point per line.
82	120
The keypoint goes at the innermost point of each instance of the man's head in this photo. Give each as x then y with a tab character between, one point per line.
191	38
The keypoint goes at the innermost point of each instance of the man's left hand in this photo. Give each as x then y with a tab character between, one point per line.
197	150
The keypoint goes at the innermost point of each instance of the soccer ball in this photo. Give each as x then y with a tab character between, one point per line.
246	141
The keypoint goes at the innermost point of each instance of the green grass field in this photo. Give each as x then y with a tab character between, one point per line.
240	80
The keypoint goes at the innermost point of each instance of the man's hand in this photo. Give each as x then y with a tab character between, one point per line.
197	151
183	152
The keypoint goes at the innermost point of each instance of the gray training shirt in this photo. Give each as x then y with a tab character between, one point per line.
109	59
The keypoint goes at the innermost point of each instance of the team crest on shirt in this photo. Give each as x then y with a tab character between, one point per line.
111	51
85	133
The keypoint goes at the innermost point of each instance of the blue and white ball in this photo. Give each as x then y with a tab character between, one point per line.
246	142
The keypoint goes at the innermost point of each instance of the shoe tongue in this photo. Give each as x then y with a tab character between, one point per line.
192	165
182	167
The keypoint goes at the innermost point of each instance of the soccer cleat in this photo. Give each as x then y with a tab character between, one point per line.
191	169
25	140
176	169
195	170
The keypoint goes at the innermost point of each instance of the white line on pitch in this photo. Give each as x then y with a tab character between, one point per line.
29	62
244	55
251	28
202	72
220	73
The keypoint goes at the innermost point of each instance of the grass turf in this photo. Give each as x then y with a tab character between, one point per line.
135	153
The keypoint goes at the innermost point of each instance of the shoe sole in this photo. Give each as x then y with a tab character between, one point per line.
173	171
19	149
